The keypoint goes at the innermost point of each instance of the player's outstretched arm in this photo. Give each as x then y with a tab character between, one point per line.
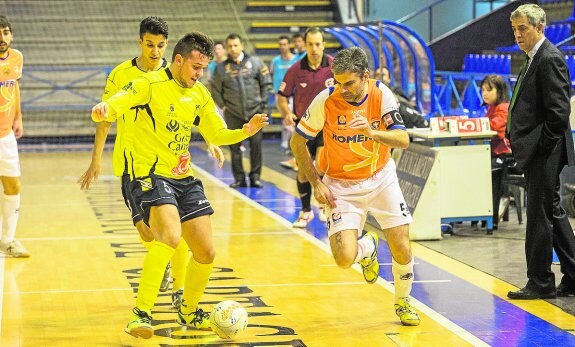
95	168
216	152
256	123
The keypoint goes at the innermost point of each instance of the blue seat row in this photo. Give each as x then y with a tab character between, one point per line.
488	63
554	33
548	2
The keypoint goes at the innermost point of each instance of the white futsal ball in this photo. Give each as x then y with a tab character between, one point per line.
228	319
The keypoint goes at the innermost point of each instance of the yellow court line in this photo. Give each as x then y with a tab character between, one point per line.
288	3
497	287
291	24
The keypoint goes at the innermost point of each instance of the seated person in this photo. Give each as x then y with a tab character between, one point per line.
496	97
412	118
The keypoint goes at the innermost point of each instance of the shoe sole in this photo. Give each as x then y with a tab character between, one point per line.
411	324
549	296
142	332
16	255
20	255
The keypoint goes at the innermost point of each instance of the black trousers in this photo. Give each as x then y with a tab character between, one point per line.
547	223
256	157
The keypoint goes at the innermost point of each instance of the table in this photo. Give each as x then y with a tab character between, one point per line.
458	185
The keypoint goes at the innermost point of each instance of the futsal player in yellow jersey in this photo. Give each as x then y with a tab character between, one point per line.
153	41
173	202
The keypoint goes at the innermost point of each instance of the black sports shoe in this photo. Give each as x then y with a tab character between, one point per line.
239	184
256	184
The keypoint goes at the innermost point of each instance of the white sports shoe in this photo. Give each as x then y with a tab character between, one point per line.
14	249
303	218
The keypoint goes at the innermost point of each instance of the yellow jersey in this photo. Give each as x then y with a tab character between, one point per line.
119	77
165	116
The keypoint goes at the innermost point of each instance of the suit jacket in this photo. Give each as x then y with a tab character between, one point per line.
540	115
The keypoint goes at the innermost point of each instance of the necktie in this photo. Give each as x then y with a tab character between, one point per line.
516	91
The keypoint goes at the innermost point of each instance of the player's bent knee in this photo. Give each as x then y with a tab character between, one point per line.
402	255
342	261
205	257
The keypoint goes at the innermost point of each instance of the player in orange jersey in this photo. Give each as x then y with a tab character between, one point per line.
10	129
360	124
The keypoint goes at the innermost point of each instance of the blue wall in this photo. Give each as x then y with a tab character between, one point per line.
447	15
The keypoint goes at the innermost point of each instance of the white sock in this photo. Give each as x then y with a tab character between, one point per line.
364	248
10	213
402	278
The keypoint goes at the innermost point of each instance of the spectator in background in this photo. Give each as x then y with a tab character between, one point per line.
240	86
304	80
496	97
384	75
541	141
219	56
298	45
278	68
411	116
10	129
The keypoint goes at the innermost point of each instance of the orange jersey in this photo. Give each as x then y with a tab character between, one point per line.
10	73
348	154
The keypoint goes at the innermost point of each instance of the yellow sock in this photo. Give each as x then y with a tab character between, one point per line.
197	279
155	263
146	243
179	265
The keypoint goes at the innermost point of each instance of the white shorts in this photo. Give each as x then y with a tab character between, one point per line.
379	195
9	160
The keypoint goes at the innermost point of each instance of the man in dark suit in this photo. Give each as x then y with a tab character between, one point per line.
541	141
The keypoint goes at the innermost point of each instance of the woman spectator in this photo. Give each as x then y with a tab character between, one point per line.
496	96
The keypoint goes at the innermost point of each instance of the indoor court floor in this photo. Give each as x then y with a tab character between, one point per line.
78	287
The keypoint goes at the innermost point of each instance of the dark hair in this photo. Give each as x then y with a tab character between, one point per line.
4	23
497	82
233	36
313	30
153	25
352	60
194	41
283	37
219	43
296	35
